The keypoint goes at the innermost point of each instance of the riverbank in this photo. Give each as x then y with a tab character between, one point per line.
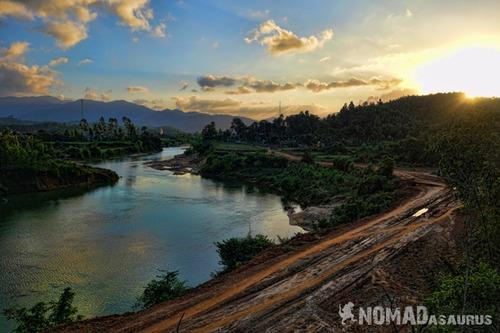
327	195
107	243
367	262
58	176
179	164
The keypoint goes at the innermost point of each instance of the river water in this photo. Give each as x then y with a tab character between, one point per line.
107	243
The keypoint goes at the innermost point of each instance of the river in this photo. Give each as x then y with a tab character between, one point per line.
107	243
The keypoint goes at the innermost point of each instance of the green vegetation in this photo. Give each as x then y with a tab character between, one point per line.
459	137
482	292
363	191
238	147
166	287
42	316
235	252
27	164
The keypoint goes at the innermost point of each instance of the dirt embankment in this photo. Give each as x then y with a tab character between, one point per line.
15	181
386	259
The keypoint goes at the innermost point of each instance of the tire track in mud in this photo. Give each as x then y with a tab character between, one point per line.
220	306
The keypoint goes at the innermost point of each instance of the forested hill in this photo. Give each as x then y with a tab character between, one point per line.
51	109
405	129
404	117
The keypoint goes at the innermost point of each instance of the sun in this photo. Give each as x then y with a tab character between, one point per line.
472	70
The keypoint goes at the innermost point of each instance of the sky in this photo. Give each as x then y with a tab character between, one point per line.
247	58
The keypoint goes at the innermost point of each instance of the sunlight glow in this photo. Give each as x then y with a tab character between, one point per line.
473	70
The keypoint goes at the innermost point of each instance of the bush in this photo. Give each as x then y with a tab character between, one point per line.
307	157
482	288
483	292
166	288
43	316
234	252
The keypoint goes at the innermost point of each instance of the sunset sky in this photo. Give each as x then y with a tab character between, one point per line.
244	57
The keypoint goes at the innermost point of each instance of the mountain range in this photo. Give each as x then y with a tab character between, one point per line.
48	108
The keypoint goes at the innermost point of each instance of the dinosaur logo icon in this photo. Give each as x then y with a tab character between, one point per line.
345	312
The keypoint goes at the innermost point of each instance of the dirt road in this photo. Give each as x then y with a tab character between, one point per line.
300	291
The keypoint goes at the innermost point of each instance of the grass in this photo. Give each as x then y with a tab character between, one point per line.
235	147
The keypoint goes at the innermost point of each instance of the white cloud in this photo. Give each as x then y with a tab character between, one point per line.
159	31
18	79
380	83
258	110
15	51
85	61
258	14
58	61
67	20
67	33
184	85
104	96
280	41
15	9
137	89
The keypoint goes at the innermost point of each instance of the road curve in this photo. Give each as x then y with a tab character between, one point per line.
278	295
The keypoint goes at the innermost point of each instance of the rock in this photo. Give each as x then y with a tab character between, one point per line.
311	216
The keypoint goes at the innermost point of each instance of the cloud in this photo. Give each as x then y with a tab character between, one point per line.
58	61
67	20
212	81
159	31
215	45
135	14
15	51
248	84
239	91
14	9
193	103
85	61
137	89
184	85
280	41
382	84
17	79
104	96
157	104
257	14
67	33
324	59
231	106
392	95
268	86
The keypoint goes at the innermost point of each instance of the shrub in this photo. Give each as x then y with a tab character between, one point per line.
166	287
43	316
235	251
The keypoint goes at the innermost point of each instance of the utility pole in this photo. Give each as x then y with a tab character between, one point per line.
81	108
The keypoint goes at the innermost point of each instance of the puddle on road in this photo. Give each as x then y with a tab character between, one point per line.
420	212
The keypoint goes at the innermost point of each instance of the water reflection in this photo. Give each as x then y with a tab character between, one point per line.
108	242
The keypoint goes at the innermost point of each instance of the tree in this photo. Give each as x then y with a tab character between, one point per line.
238	128
166	288
42	317
234	252
209	132
131	130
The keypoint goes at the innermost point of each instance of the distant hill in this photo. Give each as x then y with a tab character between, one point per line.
47	108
